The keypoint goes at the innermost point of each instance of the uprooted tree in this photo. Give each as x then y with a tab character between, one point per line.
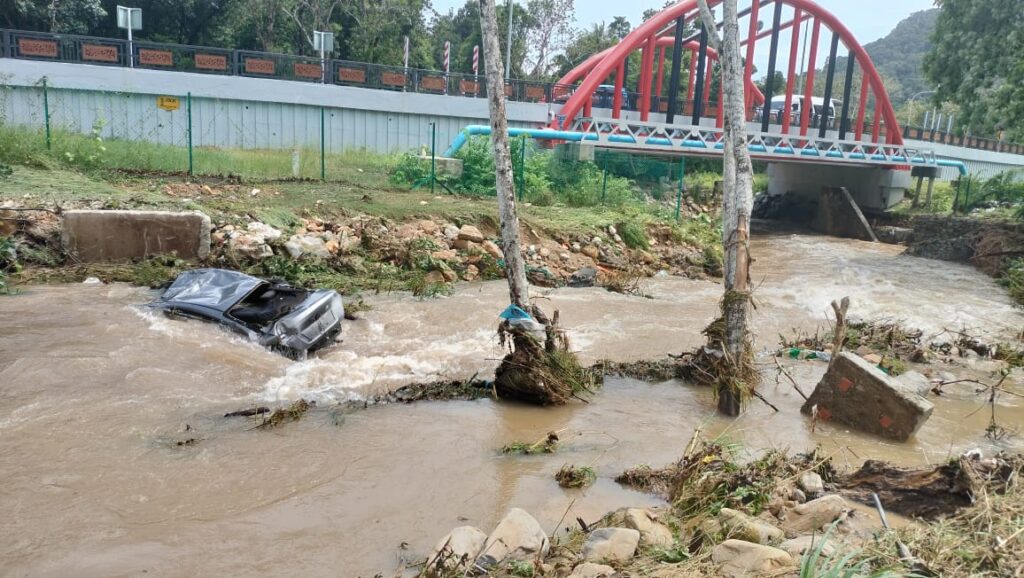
735	376
540	368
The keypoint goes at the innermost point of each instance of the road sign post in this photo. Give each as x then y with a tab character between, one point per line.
129	19
323	42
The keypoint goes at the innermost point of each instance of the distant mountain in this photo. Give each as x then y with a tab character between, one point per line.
899	57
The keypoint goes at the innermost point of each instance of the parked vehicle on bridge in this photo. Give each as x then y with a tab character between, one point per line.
604	97
778	103
289	320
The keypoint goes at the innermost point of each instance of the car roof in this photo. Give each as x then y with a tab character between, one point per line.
815	100
217	289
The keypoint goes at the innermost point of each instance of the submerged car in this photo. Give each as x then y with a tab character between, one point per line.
287	319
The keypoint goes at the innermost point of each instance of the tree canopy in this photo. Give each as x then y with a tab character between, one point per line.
977	62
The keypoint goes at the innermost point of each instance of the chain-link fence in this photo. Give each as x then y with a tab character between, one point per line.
570	174
200	136
261	141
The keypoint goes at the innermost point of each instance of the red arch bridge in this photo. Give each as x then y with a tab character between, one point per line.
828	123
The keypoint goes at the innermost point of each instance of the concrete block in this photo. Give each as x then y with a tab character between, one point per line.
445	167
860	395
94	236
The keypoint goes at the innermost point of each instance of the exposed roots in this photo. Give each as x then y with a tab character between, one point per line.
545	373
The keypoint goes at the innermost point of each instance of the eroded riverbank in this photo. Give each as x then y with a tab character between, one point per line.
95	396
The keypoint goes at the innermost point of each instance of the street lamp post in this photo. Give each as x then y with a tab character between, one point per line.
910	111
508	50
129	19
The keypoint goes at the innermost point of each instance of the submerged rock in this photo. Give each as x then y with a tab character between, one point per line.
611	544
518	536
458	549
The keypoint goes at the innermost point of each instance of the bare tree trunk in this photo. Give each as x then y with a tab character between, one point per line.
737	201
515	268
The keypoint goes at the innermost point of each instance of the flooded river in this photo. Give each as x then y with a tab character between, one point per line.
95	394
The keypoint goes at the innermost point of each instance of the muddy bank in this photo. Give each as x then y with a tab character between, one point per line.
989	245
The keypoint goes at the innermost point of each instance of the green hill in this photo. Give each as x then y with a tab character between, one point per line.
900	55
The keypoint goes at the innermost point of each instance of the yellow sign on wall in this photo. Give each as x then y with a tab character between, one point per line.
168	102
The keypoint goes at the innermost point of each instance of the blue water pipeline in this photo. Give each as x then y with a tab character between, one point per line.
571	136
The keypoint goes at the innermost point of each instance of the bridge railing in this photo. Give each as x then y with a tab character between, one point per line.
967	141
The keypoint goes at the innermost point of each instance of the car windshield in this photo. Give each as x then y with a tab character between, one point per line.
213	288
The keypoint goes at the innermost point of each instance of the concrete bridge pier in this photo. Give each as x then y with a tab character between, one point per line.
873	188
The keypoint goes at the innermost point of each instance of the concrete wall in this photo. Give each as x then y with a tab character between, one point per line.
229	111
984	164
872	187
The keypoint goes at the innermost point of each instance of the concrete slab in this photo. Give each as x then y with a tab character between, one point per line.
860	395
94	236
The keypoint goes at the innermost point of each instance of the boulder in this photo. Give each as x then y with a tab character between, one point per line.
742	559
736	524
811	483
471	273
493	250
458	549
858	394
307	246
518	536
800	545
435	277
814	515
427	226
265	231
248	246
471	234
916	383
451	232
461	244
591	570
408	231
591	251
611	544
445	255
652	532
585	277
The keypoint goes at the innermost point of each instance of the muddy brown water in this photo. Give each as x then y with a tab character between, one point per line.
95	394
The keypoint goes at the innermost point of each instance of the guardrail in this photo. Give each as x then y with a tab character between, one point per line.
966	141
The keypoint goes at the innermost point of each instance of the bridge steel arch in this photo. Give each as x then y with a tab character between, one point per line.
658	33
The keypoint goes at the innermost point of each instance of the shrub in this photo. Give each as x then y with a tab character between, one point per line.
634	235
1013	280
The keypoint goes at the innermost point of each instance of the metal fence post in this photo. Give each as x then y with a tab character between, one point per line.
46	113
188	107
604	180
679	194
522	167
323	143
433	156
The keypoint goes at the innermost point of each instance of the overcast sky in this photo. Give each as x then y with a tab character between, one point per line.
868	19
